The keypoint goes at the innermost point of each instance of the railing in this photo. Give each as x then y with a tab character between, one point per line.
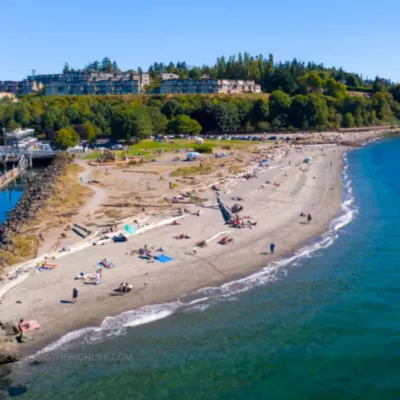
15	172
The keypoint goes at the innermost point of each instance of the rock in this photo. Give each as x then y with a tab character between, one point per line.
19	302
9	328
9	352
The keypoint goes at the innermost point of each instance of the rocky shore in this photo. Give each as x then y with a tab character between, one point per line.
37	193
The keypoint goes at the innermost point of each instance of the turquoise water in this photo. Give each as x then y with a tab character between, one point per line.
324	326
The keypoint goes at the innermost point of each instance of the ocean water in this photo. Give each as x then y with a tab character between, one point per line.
9	198
323	323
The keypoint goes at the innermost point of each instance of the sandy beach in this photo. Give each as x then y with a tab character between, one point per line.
275	199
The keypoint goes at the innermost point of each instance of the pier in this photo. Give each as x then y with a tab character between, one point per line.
14	173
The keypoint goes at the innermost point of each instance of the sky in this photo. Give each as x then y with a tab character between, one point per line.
358	35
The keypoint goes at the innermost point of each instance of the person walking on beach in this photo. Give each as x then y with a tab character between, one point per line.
74	295
309	218
272	247
81	178
98	277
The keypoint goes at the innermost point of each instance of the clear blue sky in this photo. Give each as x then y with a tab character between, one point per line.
359	35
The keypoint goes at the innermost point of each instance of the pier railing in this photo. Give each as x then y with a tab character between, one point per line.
15	172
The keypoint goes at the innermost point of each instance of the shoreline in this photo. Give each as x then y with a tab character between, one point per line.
222	269
245	270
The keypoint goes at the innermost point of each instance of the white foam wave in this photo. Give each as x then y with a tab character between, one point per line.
202	299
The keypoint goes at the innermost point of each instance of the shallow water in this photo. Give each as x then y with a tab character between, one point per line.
321	324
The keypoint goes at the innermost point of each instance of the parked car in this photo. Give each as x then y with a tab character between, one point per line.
272	138
117	147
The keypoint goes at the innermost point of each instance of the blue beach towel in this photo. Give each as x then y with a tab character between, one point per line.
111	264
130	229
163	258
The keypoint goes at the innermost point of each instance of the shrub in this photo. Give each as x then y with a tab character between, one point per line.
203	148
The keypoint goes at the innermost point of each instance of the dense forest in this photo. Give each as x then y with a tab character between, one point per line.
308	96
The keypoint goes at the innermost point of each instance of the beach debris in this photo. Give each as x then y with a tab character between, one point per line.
236	208
201	244
182	236
226	240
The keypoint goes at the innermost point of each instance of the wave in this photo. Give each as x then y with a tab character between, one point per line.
202	299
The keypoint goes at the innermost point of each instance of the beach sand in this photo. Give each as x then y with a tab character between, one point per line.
311	188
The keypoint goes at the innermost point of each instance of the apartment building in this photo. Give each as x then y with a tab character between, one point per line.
84	83
204	86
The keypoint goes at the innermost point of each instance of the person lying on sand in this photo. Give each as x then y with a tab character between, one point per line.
48	265
106	263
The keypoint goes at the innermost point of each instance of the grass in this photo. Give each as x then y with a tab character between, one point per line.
193	170
149	147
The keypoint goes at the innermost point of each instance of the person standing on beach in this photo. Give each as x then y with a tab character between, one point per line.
272	247
309	218
21	331
74	295
98	277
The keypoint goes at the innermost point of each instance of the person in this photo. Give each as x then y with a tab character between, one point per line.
74	295
81	178
101	273
105	263
21	331
194	250
128	287
98	278
272	247
309	218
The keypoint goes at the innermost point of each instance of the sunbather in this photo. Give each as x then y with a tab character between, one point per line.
106	263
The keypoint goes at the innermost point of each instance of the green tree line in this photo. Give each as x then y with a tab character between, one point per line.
127	117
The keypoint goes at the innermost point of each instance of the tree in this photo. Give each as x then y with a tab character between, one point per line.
185	125
298	114
279	104
65	138
106	65
195	73
317	111
53	118
66	68
334	88
381	104
348	121
226	117
114	67
131	123
73	114
172	108
312	81
89	132
158	120
260	111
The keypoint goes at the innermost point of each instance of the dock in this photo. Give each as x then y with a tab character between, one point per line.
15	172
